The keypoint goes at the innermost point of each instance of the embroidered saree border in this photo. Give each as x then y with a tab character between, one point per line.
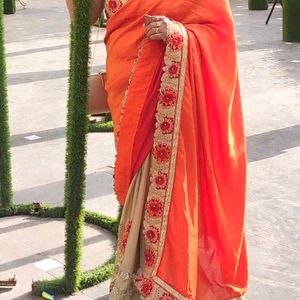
163	163
113	6
181	83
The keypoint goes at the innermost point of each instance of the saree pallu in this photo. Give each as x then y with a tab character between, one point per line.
180	169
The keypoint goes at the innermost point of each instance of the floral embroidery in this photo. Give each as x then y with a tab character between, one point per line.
123	241
113	6
166	296
152	234
149	257
154	207
146	287
175	41
163	160
124	235
168	97
162	153
167	125
128	226
161	181
174	70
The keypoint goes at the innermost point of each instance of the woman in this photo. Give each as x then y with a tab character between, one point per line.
180	170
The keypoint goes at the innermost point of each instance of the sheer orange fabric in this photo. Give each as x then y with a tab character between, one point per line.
203	253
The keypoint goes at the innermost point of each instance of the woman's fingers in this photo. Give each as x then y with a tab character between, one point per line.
157	30
155	25
154	30
159	36
157	33
150	19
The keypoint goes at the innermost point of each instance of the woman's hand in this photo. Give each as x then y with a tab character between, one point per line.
157	27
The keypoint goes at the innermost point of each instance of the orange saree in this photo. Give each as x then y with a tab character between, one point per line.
180	169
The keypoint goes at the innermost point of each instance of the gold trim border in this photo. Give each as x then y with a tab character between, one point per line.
169	289
175	148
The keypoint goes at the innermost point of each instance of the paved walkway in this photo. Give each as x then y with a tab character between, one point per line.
37	43
33	249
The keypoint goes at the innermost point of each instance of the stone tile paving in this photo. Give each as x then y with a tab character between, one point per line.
33	249
37	44
270	80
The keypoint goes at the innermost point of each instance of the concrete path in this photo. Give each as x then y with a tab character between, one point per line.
270	80
33	249
37	44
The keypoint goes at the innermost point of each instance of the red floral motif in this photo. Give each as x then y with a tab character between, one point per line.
125	235
167	125
162	153
123	241
128	226
161	180
149	257
174	69
166	296
168	97
154	207
114	5
175	41
152	234
146	287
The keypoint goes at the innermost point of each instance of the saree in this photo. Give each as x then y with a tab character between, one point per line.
180	168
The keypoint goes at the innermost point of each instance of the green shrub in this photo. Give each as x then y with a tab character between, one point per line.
258	4
105	222
101	127
54	286
98	275
76	143
9	7
291	20
6	194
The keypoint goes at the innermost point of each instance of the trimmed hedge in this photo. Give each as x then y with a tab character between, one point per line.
88	279
77	128
101	127
6	194
9	7
291	20
258	4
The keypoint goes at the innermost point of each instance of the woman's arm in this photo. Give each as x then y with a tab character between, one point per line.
96	9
